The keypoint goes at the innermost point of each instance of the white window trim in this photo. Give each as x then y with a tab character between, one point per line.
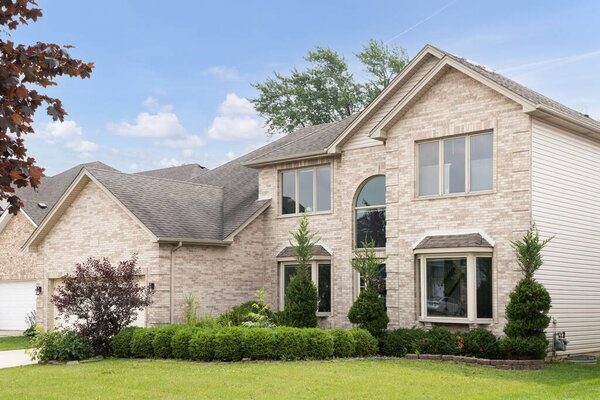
467	191
471	288
297	192
314	275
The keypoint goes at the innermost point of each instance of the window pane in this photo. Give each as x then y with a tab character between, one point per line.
454	165
288	272
324	288
447	287
324	188
373	193
429	162
288	192
305	190
370	225
484	287
482	162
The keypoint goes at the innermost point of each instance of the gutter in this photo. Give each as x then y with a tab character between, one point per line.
172	272
590	126
197	242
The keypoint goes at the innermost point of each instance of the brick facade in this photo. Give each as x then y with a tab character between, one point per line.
16	264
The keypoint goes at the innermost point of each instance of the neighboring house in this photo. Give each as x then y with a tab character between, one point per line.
446	166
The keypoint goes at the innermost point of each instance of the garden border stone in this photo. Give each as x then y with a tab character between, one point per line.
484	362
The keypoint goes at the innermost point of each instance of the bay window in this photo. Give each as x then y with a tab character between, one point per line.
321	275
455	287
462	164
306	190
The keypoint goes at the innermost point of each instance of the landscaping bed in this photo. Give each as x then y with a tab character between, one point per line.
499	364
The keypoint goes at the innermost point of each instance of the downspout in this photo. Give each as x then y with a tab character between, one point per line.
171	296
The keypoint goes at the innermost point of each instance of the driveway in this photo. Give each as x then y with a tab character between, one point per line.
14	358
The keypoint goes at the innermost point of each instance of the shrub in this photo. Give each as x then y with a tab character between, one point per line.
343	343
319	344
59	345
162	341
103	298
366	344
202	345
141	343
180	343
399	342
481	343
121	342
438	341
527	312
281	318
368	311
261	315
261	344
238	315
30	321
229	344
291	343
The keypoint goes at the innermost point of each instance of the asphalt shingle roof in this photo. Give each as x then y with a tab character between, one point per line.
184	172
318	250
453	241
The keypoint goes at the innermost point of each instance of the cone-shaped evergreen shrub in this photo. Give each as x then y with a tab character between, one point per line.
368	311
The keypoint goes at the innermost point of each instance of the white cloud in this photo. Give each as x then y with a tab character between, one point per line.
238	121
170	162
224	73
160	124
69	135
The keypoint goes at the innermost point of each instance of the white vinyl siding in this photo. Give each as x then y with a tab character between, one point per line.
566	204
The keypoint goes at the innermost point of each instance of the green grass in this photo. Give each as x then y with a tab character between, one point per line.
119	379
13	342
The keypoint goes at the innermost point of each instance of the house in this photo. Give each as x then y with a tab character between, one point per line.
442	170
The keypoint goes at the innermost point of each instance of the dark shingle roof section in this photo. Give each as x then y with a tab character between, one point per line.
318	251
184	172
453	241
168	208
50	189
526	93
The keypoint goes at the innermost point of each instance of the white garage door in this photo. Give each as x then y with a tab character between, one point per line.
17	299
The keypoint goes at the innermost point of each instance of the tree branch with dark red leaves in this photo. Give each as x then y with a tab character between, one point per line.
22	68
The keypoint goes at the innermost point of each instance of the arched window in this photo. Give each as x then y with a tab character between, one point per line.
369	212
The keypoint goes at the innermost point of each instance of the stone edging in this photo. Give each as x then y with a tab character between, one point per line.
56	362
499	364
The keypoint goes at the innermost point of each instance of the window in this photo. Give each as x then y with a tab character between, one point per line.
369	212
457	286
381	288
457	165
321	275
306	190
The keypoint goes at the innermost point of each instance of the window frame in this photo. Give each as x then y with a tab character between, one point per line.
471	255
358	287
441	143
355	208
314	276
296	171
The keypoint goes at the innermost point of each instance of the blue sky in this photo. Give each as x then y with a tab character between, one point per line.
171	78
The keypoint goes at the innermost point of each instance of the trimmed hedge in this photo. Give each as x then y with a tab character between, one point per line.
261	344
121	342
366	344
481	343
180	343
141	343
201	345
291	343
229	344
343	343
162	341
439	341
399	342
319	344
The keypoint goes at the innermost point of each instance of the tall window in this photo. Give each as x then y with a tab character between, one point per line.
457	165
381	288
306	190
320	272
456	286
369	212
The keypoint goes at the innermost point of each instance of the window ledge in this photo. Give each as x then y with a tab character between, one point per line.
310	214
453	320
455	195
324	314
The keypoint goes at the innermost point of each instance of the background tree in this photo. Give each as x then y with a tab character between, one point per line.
527	312
104	299
302	301
23	67
325	91
368	310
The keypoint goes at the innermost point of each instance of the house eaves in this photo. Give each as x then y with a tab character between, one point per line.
291	158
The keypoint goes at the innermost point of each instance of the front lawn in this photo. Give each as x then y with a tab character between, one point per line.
14	342
119	379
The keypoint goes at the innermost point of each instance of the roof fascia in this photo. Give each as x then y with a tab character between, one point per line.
197	242
379	131
305	156
4	218
550	115
335	147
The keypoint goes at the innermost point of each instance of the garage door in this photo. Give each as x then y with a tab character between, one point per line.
17	299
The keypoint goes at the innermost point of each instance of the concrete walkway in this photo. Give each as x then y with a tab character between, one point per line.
14	358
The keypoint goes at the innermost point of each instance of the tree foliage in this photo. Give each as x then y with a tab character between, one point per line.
529	251
325	91
303	242
368	265
21	68
103	299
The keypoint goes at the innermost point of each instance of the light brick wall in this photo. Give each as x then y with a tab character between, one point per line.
455	104
16	264
92	226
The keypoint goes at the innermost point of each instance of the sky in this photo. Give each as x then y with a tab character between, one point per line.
172	79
